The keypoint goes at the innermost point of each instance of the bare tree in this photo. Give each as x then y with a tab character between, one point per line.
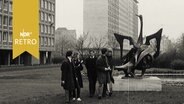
63	44
180	47
99	42
81	43
112	42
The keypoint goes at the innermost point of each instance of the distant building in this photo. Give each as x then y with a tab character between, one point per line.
64	40
70	34
103	18
165	44
46	36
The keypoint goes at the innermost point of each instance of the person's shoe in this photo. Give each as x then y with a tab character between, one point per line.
68	102
79	99
126	76
90	96
74	99
110	94
99	97
104	95
132	75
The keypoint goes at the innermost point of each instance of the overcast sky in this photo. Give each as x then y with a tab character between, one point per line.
168	14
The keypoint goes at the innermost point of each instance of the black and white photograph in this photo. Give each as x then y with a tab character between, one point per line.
92	52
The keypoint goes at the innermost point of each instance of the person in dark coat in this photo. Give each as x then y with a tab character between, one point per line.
102	70
77	76
110	62
107	88
91	72
67	80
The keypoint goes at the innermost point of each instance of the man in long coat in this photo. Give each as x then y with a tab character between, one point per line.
91	72
67	80
102	70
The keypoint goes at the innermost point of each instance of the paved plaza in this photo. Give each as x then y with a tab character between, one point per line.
42	86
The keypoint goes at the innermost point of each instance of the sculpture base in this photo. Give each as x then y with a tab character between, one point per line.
137	84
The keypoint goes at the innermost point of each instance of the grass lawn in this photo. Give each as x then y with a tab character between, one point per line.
43	87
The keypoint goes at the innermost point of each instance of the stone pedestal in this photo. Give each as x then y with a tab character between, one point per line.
137	84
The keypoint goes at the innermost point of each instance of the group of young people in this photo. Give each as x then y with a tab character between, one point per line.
99	69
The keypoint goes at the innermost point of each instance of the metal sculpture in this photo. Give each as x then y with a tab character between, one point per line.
141	56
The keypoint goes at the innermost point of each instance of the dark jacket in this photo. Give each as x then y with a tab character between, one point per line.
102	75
111	64
67	69
77	73
91	67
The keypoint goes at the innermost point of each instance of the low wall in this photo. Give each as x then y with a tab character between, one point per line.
22	67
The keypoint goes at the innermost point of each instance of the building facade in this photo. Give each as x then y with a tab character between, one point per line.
46	36
165	44
65	40
103	18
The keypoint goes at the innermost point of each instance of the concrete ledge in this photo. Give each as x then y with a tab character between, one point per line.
137	84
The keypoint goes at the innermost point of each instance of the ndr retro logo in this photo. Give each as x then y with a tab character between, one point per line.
25	39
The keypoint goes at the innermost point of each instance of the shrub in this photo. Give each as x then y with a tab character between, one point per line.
164	60
58	60
177	64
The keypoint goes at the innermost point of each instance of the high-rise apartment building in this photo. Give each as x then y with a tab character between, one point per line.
46	36
103	18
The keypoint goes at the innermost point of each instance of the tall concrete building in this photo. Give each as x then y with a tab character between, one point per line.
103	18
46	36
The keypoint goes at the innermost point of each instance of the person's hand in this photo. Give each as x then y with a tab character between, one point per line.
106	69
82	61
109	68
62	83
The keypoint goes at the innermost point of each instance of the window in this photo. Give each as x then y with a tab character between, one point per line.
0	20
10	21
42	3
49	6
45	4
45	41
45	16
45	28
0	36
52	42
5	21
5	5
48	41
52	7
10	37
1	4
52	18
49	18
4	36
48	29
42	16
42	40
10	6
42	29
53	28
